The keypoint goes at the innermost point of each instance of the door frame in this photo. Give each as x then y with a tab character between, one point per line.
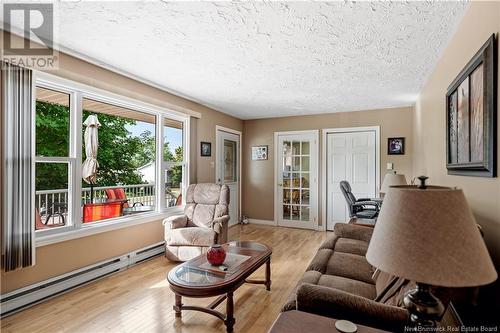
217	176
324	153
314	209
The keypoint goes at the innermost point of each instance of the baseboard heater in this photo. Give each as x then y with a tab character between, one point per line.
20	299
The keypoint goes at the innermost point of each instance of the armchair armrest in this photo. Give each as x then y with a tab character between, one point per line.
353	231
219	224
175	222
339	304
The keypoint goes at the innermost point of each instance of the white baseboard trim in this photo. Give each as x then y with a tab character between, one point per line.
263	222
19	299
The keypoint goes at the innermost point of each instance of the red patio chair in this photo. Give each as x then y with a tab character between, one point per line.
119	194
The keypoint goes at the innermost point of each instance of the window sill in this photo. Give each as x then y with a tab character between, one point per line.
100	227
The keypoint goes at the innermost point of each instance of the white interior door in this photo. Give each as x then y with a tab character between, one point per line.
297	185
227	169
352	157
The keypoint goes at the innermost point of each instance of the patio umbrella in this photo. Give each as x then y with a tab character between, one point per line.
90	165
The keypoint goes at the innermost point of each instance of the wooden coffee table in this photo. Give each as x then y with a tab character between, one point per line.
195	278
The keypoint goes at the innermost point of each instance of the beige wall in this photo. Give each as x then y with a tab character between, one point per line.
206	132
60	258
258	176
480	21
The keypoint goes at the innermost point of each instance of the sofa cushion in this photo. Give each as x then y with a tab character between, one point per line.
353	246
353	231
336	244
348	285
312	277
320	260
191	236
350	266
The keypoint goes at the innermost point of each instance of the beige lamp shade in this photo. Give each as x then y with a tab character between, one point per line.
430	236
392	179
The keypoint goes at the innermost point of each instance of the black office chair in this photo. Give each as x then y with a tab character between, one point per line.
364	208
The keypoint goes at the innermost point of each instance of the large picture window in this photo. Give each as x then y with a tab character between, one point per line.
125	177
130	144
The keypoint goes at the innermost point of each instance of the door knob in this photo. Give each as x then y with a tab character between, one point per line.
280	184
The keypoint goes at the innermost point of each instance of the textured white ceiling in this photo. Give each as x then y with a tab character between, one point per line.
267	59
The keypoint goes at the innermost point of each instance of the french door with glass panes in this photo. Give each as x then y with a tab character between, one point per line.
297	186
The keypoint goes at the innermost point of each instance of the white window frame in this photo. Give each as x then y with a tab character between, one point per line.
71	159
75	228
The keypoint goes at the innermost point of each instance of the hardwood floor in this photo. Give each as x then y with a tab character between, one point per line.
140	300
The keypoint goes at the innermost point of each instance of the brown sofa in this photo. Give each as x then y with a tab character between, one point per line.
341	284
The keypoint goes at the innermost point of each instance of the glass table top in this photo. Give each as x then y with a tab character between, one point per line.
197	271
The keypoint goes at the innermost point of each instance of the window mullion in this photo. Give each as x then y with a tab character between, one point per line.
76	153
159	165
186	149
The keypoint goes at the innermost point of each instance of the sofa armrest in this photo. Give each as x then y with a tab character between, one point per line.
353	231
339	304
175	222
220	225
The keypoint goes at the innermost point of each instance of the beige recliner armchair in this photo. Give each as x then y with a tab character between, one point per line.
204	222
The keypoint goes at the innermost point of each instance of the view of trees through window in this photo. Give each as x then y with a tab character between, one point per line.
52	150
126	156
120	153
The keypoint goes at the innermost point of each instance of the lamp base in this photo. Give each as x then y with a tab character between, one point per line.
425	309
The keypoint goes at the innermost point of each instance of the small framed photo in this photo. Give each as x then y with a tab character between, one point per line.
259	153
395	146
206	149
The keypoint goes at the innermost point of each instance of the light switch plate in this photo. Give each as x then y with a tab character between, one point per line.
390	166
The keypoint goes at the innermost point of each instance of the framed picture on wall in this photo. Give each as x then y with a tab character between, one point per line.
471	116
396	146
259	153
206	148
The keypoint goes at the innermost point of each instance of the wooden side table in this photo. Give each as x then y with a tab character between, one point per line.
300	322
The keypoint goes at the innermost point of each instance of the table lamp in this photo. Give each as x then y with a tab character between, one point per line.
392	179
428	234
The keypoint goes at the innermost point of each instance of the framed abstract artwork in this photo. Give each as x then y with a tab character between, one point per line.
471	116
